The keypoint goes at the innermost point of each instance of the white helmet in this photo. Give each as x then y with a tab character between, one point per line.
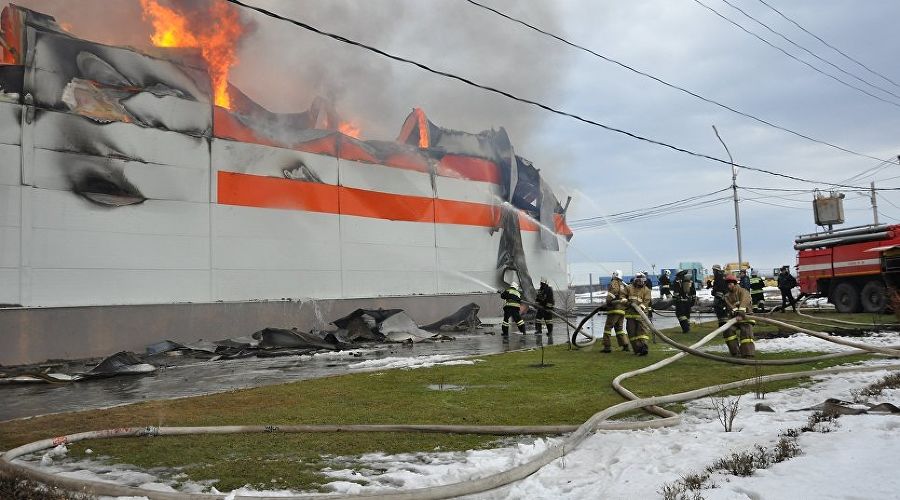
544	280
639	275
666	272
514	284
617	274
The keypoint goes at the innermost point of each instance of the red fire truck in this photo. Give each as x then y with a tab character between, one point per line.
854	267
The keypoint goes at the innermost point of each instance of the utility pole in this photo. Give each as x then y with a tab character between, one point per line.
737	212
874	204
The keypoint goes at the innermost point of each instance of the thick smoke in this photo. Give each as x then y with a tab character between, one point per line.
284	68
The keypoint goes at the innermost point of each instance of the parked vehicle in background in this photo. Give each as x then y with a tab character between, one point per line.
855	268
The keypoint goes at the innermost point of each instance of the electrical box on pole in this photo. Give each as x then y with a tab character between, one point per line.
828	208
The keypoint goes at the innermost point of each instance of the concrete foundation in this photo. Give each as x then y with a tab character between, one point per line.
33	335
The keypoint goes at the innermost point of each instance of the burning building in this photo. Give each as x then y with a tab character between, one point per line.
142	192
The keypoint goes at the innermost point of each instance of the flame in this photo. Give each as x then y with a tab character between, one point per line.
349	128
217	40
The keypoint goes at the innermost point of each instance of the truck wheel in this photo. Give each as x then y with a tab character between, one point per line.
845	298
874	297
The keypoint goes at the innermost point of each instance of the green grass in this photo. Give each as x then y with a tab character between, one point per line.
507	389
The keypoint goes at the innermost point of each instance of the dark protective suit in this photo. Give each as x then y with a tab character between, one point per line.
685	296
719	289
740	336
545	303
786	283
513	299
665	286
616	303
756	293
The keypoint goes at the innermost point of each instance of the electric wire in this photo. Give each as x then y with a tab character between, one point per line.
839	51
537	104
665	83
795	44
649	215
653	207
805	63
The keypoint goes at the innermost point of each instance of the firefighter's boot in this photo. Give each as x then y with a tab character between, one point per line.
606	342
685	325
505	329
733	345
748	349
549	329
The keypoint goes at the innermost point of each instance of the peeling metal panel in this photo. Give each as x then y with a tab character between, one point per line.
71	133
447	188
57	287
10	165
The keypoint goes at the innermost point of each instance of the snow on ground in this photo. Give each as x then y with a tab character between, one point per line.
857	460
410	363
801	342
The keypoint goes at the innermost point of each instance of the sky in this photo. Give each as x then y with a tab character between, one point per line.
679	41
628	464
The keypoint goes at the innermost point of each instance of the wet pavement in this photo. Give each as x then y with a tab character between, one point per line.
182	376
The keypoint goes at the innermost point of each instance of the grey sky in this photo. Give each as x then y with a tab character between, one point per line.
284	68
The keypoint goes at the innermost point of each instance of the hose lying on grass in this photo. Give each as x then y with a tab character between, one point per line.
471	486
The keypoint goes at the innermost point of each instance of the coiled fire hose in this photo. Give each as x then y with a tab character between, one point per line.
467	487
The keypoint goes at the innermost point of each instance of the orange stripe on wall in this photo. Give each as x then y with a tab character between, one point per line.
270	192
389	206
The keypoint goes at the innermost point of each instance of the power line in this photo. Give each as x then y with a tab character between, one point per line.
770	44
754	200
795	44
663	82
691	198
839	51
509	95
646	213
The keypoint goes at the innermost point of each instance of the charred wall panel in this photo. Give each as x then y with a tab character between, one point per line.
76	134
542	262
231	156
116	84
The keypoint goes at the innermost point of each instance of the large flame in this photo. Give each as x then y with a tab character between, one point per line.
217	39
350	128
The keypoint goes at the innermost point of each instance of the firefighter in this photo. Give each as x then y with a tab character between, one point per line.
786	284
638	295
545	303
513	298
744	280
665	285
616	302
756	291
685	297
719	289
740	336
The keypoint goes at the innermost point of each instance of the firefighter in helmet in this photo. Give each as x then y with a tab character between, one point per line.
513	298
638	298
719	289
665	285
740	336
616	302
756	291
685	296
545	303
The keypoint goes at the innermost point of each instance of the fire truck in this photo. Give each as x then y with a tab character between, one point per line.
856	268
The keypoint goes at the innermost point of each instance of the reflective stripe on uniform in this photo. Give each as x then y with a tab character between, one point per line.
746	341
615	312
733	337
641	337
520	322
747	322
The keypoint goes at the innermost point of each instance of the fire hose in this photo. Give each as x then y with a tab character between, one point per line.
554	451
